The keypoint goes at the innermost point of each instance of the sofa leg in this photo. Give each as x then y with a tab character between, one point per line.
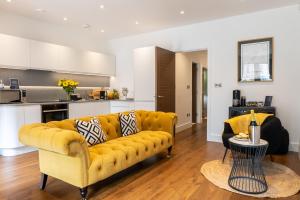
43	181
225	153
169	152
83	193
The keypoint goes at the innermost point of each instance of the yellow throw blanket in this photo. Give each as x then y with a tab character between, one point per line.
241	123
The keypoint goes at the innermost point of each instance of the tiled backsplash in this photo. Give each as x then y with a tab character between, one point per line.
43	82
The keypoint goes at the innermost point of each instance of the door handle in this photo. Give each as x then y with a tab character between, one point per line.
160	96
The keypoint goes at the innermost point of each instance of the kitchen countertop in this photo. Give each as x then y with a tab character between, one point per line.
62	102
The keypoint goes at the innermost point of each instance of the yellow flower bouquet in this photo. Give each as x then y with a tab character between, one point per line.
68	85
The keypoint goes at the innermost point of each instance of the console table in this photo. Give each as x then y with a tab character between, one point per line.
236	111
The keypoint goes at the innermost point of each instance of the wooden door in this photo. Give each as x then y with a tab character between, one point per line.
165	80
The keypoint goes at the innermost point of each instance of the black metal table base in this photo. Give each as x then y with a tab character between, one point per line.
247	174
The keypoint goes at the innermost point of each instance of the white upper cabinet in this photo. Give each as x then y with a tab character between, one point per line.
14	52
70	60
98	63
23	53
43	55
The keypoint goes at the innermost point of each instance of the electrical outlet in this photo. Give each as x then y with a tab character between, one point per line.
218	85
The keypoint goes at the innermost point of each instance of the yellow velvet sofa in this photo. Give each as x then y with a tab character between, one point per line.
64	154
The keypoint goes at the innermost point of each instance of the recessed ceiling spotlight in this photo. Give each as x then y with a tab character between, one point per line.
65	19
102	6
8	1
102	31
40	10
182	12
137	22
86	26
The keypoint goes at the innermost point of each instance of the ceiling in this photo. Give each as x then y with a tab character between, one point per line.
118	17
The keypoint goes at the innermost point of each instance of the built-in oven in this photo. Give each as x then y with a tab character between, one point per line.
55	112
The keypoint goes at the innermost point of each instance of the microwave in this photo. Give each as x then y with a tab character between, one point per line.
10	96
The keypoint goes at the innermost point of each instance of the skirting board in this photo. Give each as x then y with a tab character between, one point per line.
182	127
214	138
16	151
294	147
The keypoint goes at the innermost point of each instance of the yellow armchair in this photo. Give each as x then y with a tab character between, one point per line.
64	154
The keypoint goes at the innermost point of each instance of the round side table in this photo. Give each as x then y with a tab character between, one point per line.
247	174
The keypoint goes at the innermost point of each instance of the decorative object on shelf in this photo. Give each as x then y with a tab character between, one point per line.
268	101
236	98
69	86
124	92
255	60
243	101
252	104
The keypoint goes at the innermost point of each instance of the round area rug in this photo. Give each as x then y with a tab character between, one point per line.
282	181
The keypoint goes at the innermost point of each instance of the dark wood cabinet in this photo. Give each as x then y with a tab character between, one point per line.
236	111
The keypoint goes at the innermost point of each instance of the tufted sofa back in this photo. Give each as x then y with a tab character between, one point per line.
146	120
155	121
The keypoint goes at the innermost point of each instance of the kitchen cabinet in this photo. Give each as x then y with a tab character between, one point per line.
12	118
43	56
97	63
145	105
144	74
70	60
121	106
21	53
47	56
154	79
77	110
14	52
32	114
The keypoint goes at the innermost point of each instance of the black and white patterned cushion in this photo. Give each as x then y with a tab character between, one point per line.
128	124
91	131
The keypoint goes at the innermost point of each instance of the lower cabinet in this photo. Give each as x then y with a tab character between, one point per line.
145	105
12	118
121	106
77	110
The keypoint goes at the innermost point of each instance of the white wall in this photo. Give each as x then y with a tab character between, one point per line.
59	34
220	37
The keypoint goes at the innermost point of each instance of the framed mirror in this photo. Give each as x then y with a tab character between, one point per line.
255	60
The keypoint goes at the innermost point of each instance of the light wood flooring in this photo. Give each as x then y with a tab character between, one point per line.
157	178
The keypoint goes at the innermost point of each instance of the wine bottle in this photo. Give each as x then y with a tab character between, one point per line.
253	120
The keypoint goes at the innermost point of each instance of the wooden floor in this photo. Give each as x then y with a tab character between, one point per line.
157	178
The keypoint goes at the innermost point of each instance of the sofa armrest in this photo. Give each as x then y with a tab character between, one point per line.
51	139
157	121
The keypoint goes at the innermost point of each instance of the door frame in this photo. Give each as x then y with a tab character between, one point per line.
211	136
202	95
